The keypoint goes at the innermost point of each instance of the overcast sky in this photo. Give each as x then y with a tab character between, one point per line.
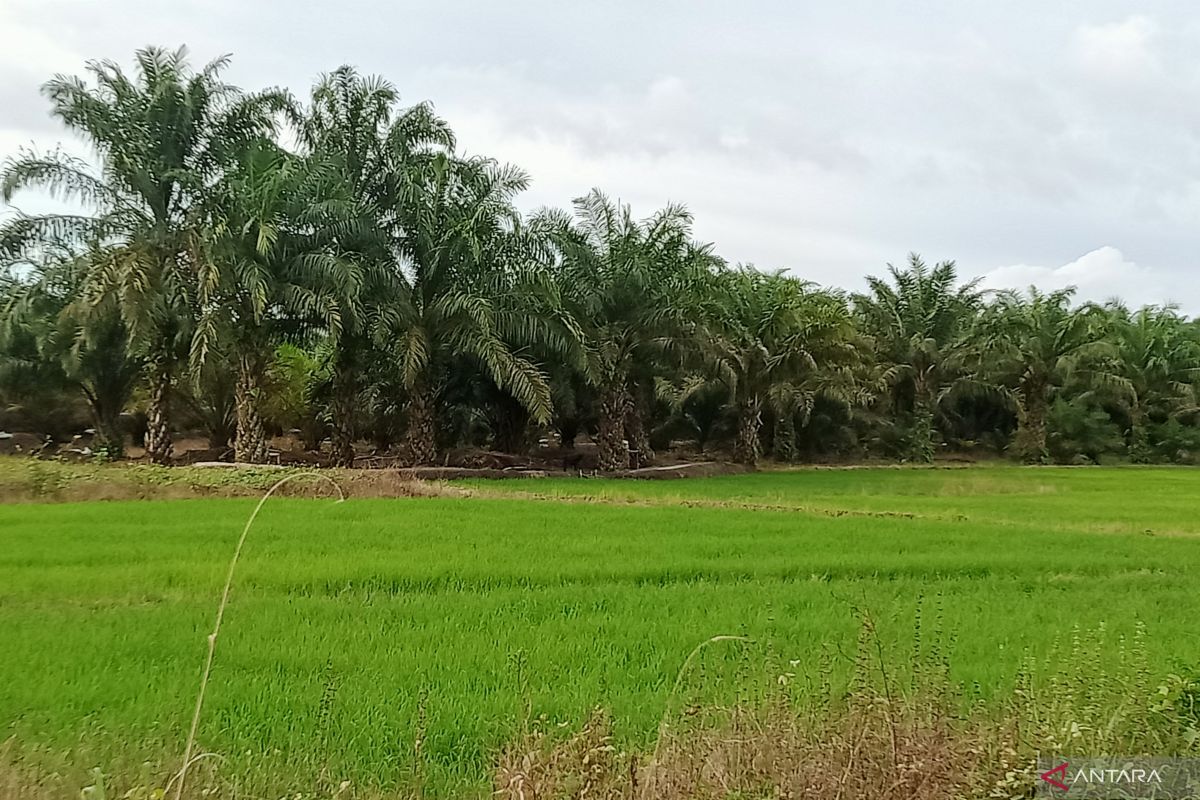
1053	143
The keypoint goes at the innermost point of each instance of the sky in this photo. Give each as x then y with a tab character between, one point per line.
1033	143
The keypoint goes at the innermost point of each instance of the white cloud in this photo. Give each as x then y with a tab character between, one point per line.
669	90
28	58
829	139
1118	49
1098	275
30	49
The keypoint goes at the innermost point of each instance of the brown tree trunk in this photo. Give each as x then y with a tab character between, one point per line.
110	439
1031	430
250	443
1139	439
746	447
612	451
568	430
341	435
158	423
312	431
921	446
219	439
784	440
511	434
422	425
109	442
637	412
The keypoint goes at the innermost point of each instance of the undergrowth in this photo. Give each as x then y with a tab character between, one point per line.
883	738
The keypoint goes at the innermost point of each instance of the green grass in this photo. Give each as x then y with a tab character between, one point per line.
467	612
1159	500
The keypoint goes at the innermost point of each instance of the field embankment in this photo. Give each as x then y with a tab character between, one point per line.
28	480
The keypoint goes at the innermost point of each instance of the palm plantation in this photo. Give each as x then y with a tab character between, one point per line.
1037	344
353	127
246	264
56	340
162	137
774	342
1156	365
918	325
633	287
265	274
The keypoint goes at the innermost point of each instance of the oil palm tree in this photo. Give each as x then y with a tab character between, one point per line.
162	136
919	325
1155	368
267	271
632	285
474	286
774	341
1031	346
353	125
52	338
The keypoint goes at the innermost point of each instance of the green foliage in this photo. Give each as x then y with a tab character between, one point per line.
918	327
1036	344
634	290
1155	367
45	481
775	343
206	257
1175	441
297	393
1081	432
165	137
54	341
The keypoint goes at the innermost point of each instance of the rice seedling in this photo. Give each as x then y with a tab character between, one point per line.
454	626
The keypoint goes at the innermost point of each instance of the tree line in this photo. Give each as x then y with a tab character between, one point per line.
254	262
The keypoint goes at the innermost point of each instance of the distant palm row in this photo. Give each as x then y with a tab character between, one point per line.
366	282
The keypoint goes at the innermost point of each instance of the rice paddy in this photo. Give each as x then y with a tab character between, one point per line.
380	639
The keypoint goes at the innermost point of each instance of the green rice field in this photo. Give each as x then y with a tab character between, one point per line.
356	629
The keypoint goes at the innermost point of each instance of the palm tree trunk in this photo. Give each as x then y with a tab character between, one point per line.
250	444
637	411
746	445
218	438
110	439
1030	439
422	425
158	425
568	430
511	434
1139	439
312	431
342	415
784	444
920	445
612	451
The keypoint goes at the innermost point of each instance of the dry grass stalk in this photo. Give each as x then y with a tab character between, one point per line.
871	752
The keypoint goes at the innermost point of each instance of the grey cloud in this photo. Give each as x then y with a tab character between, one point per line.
826	137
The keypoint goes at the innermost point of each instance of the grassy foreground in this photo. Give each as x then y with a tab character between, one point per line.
381	640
